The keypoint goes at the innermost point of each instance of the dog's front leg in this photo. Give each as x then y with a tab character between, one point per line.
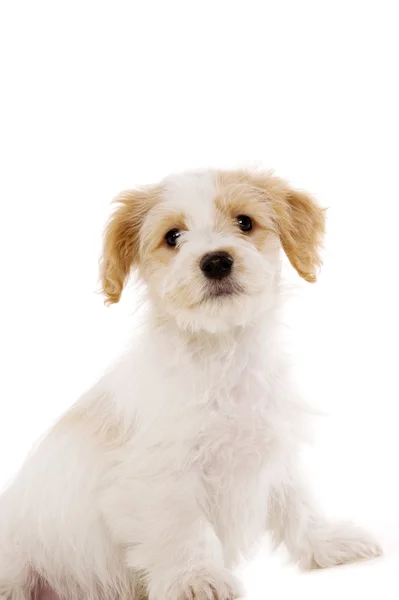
165	535
312	540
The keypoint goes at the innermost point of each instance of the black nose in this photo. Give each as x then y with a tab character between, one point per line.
216	265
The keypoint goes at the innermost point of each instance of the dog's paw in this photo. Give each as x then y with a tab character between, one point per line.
203	584
211	585
341	544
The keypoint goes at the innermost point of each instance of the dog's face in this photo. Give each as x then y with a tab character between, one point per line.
207	244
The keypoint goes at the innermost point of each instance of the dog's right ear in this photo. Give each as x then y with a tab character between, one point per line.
121	239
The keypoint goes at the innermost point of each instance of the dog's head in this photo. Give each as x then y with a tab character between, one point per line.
207	244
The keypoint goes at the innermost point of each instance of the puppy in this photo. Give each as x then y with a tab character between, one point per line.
177	461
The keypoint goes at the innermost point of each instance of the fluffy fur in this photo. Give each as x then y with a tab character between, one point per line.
177	461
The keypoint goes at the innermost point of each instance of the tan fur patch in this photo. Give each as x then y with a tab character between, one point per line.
295	215
157	226
153	246
239	196
97	421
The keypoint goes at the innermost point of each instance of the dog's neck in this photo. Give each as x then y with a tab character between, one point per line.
198	365
205	345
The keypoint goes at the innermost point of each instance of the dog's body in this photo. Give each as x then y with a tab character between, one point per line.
186	452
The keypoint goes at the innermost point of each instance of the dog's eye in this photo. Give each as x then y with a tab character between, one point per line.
244	222
172	236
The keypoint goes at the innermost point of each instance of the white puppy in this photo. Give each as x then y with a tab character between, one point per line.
180	458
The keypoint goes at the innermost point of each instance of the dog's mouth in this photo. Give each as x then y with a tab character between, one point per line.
222	289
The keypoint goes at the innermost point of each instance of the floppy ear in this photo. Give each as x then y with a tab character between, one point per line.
301	226
121	240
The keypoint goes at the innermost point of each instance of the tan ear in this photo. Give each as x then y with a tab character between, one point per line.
301	226
121	240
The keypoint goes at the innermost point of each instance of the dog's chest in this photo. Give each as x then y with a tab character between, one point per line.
236	434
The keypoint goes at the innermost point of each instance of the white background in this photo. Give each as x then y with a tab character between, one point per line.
100	96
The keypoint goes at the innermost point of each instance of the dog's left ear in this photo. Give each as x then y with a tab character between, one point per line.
301	225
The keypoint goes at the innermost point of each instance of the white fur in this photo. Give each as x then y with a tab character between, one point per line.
196	455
